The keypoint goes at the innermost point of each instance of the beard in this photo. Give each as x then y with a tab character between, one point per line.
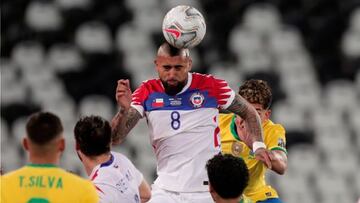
173	89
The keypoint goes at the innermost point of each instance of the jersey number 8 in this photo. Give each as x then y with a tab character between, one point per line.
175	120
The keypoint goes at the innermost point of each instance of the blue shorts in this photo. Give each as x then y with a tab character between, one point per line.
270	200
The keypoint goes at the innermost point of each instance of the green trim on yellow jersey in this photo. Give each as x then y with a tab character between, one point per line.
233	127
42	165
279	148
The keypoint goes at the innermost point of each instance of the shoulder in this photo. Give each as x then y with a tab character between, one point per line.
151	85
274	127
199	79
225	118
12	174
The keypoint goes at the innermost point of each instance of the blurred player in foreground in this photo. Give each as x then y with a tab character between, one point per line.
42	180
235	141
181	109
115	177
228	177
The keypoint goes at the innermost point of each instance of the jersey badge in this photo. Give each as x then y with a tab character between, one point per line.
158	103
197	99
236	148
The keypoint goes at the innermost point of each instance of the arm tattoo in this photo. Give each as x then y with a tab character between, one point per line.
123	122
244	109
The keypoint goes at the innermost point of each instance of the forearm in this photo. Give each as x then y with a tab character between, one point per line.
252	120
122	123
279	163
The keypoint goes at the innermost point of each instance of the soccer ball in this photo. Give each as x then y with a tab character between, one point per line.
184	27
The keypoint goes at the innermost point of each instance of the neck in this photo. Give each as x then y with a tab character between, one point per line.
46	158
91	162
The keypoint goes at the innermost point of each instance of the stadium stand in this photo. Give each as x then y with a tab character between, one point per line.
66	56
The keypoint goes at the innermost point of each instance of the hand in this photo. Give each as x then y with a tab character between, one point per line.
264	155
123	94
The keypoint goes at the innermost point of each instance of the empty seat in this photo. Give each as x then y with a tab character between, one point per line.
97	105
13	92
231	75
43	16
344	164
322	116
262	18
255	62
243	41
149	20
130	39
18	129
64	58
65	109
341	95
332	188
303	159
93	37
332	139
354	21
285	41
292	188
28	55
291	117
351	44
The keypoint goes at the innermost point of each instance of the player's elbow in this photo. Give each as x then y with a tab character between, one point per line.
280	169
144	191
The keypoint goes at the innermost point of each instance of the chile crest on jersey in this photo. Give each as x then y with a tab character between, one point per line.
197	99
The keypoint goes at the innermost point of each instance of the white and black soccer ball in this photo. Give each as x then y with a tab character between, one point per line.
184	27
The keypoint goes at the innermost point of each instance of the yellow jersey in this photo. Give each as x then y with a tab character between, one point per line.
46	183
274	139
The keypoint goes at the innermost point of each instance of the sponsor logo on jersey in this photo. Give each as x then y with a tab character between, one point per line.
281	143
197	99
175	101
157	103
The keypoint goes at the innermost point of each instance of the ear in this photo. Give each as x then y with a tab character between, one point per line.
268	114
212	192
190	63
61	144
25	143
77	146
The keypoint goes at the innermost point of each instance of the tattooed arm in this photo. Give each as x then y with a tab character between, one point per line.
253	126
122	123
243	109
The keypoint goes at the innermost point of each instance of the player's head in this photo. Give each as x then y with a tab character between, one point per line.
258	93
44	135
228	176
173	66
93	136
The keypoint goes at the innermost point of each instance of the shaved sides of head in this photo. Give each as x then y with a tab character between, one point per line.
167	50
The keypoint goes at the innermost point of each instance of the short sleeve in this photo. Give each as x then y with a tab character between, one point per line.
137	174
139	97
223	93
106	193
276	139
90	193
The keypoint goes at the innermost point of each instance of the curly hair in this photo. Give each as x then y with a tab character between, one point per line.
228	175
257	91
